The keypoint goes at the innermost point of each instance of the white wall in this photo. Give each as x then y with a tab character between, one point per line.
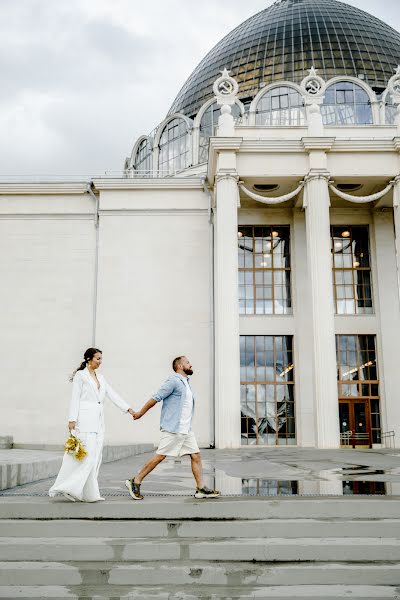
46	275
154	302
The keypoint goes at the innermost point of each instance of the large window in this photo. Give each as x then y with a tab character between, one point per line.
267	390
281	106
208	125
144	157
174	147
352	270
264	270
358	379
346	103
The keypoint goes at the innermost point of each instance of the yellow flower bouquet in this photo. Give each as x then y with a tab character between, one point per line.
75	446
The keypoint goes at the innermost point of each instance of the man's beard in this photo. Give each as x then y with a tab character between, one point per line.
188	371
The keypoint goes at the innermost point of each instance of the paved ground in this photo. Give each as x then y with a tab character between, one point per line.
257	471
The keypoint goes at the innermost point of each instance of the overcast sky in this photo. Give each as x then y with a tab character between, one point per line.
82	79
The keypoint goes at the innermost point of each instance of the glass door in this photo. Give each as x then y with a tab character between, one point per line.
355	422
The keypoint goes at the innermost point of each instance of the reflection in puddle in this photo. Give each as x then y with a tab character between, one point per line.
269	487
273	487
365	488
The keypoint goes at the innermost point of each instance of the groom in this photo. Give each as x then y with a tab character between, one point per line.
177	437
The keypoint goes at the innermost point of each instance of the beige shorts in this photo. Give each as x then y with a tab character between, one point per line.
177	444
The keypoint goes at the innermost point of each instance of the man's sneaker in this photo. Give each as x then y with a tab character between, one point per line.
134	489
204	492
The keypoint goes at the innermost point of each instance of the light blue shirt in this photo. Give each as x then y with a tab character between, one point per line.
172	394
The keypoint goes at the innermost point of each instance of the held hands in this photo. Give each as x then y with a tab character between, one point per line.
71	425
134	415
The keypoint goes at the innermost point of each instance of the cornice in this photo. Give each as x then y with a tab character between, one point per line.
318	143
396	143
276	146
170	183
47	216
30	188
220	143
364	145
167	212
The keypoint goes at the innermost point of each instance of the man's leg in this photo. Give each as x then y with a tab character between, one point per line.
197	469
148	467
133	485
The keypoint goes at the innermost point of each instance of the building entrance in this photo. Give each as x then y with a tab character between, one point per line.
355	422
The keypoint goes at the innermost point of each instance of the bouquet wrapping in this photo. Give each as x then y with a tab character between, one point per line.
75	446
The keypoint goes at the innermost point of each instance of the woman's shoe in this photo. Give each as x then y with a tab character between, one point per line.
69	497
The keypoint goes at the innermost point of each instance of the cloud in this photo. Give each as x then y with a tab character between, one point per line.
81	80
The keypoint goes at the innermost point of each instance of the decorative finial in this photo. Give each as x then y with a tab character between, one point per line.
313	71
225	88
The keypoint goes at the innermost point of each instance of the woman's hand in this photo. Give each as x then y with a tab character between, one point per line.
71	425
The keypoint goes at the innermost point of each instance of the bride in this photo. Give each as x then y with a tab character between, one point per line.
77	480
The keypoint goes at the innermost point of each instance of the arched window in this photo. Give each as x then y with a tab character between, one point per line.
208	124
144	157
281	106
346	103
174	147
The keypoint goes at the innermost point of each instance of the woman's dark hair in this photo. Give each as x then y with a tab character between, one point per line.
89	354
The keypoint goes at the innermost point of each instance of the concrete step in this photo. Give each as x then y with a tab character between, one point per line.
178	508
192	573
251	550
263	528
307	592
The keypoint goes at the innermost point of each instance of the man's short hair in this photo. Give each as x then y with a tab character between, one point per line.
176	362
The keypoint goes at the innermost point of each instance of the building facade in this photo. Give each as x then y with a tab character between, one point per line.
255	230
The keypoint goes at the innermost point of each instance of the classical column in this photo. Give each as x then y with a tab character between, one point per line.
317	203
396	217
227	355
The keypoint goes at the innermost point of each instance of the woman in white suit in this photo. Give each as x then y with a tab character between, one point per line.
77	480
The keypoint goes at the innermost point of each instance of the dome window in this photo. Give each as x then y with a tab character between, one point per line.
208	126
281	106
144	157
174	147
346	103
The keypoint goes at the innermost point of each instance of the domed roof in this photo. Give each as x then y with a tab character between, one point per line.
283	41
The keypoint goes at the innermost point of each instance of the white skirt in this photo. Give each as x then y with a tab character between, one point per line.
78	479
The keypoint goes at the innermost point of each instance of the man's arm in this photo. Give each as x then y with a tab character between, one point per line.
144	409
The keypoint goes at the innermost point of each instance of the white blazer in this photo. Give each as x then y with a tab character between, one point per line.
87	402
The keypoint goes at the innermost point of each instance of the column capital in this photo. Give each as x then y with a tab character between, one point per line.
226	174
315	174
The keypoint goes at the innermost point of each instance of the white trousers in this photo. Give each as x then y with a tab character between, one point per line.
79	478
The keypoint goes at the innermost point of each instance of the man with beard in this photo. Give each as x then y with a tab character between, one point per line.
177	437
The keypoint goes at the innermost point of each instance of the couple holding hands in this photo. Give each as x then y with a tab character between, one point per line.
78	480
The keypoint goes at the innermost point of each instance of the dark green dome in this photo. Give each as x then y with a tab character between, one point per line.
283	41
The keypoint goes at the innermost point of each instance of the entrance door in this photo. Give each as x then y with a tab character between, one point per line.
355	422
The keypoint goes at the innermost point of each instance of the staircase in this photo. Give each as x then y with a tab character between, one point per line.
178	547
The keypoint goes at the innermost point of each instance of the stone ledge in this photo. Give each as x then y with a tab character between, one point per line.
32	463
6	442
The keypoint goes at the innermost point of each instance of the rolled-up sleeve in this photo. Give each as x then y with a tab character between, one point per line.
165	390
75	397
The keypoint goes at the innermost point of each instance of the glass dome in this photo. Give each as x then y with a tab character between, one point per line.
283	41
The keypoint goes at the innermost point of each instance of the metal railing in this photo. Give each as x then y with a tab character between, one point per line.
345	438
388	439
